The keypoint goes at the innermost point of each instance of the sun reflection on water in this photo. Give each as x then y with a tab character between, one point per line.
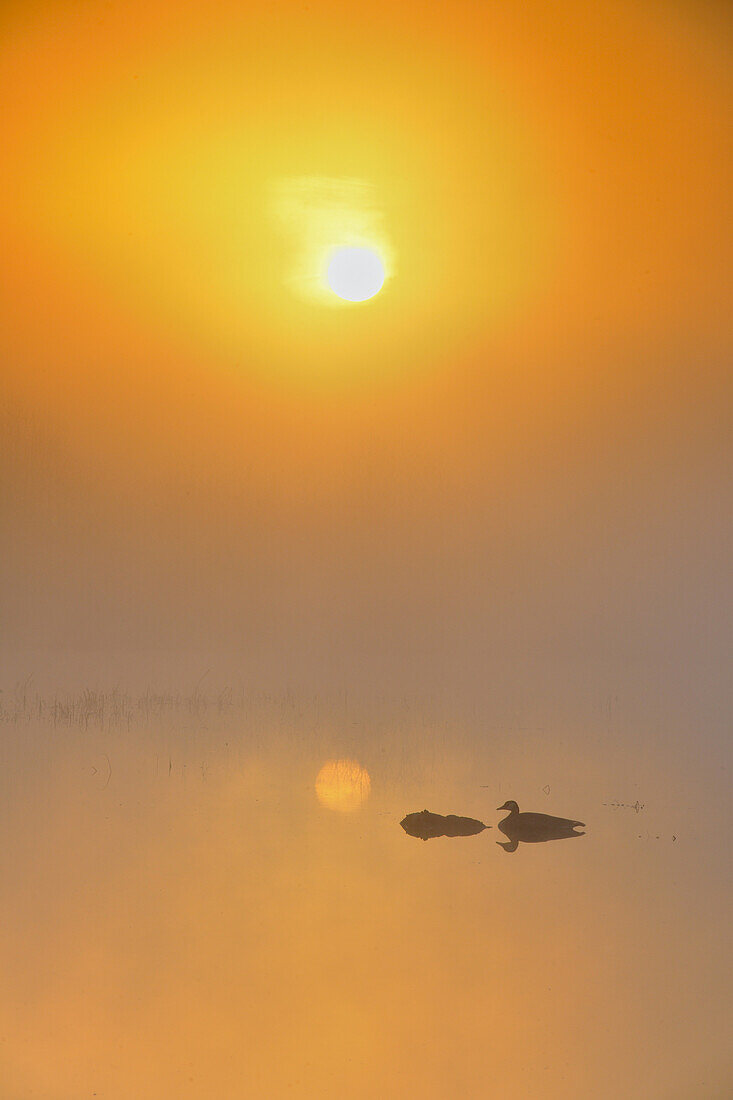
343	785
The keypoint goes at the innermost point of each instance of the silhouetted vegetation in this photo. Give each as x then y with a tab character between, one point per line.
426	826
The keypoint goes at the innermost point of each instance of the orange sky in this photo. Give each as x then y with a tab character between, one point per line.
550	182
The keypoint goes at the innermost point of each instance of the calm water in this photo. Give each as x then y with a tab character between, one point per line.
183	917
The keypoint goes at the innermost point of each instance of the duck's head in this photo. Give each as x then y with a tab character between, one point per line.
511	806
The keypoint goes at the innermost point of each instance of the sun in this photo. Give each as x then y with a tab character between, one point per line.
355	274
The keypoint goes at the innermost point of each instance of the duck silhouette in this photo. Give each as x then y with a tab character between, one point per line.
426	825
533	828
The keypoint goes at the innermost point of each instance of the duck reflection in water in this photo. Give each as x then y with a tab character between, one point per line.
534	828
425	825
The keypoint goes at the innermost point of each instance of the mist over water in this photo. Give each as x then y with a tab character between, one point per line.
184	917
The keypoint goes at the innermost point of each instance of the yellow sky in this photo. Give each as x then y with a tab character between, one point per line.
536	172
547	183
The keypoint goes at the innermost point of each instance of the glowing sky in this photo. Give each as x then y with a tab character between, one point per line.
553	169
546	187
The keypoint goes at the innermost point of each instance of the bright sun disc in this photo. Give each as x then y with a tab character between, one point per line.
355	274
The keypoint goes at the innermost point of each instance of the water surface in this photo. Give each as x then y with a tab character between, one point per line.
184	917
